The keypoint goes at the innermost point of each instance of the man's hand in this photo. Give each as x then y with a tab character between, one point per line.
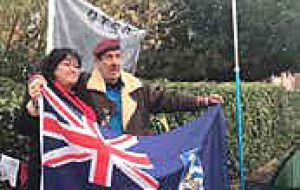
215	99
210	100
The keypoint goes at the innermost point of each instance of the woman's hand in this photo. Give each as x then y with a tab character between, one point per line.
35	85
34	89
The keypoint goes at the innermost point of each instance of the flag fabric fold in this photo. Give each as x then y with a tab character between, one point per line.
78	154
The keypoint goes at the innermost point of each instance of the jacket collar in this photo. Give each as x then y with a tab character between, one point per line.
97	83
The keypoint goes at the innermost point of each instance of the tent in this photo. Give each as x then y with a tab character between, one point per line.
288	174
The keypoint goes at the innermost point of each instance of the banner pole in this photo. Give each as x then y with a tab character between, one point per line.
41	125
239	110
50	25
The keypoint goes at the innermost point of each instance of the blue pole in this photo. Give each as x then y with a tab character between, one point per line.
239	110
239	122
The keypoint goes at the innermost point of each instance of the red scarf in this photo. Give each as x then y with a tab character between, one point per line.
85	109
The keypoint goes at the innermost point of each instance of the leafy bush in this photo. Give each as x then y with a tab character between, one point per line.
12	143
13	64
11	94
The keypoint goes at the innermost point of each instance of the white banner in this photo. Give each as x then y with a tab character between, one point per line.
9	168
79	25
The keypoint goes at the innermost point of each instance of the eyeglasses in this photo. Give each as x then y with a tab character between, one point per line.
70	62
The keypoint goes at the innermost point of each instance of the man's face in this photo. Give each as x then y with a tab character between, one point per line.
110	65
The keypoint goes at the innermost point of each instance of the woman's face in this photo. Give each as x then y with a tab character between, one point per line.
67	72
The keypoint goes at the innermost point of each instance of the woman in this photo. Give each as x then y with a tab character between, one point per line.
61	71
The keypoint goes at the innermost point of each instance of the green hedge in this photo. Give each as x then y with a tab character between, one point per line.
267	119
11	94
11	143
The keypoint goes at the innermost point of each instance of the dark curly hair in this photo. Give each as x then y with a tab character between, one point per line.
51	61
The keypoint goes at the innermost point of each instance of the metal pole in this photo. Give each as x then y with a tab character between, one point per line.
50	25
41	114
239	110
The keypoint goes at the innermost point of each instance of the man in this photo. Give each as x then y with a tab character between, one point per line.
121	101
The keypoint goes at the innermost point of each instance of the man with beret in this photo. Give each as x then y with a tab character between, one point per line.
121	101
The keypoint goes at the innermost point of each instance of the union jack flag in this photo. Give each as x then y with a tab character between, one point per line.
77	154
85	142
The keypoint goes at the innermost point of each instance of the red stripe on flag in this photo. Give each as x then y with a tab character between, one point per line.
103	166
137	159
148	179
51	125
61	108
121	140
78	156
83	140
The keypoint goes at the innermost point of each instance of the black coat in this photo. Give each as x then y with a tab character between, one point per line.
29	126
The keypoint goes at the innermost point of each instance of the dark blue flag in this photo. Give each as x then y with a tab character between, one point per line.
78	154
